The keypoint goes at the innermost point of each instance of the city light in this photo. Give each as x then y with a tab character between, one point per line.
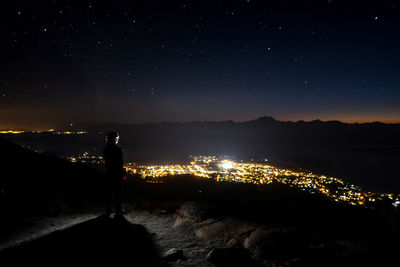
11	132
260	173
226	164
51	131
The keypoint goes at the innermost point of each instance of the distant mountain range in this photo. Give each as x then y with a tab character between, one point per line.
263	137
262	120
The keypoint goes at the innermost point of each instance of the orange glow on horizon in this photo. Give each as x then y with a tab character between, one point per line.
351	119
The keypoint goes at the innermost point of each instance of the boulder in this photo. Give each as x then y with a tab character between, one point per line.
233	243
183	221
204	223
256	238
190	213
275	243
224	228
143	212
195	211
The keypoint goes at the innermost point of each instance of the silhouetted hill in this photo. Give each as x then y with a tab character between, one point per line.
266	130
95	242
37	184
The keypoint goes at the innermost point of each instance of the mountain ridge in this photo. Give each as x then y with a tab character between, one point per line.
263	119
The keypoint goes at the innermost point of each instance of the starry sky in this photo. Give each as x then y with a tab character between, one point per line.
66	61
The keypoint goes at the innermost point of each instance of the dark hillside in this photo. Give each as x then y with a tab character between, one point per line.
37	184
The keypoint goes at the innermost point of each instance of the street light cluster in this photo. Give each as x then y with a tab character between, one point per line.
257	173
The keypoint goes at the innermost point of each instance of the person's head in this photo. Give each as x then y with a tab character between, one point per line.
113	137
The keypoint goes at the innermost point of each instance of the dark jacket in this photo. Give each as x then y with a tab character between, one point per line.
114	162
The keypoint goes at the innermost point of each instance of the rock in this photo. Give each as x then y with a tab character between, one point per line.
256	237
275	244
233	243
204	223
189	213
143	212
183	221
173	254
224	228
195	211
210	230
231	257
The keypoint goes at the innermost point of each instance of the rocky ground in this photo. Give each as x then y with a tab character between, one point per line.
227	241
178	244
184	234
189	250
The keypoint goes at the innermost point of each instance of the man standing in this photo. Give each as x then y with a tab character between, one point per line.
115	173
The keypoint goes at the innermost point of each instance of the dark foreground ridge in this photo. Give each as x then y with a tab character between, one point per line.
33	184
97	241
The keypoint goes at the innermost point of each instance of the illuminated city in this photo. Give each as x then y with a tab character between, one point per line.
257	173
51	131
85	157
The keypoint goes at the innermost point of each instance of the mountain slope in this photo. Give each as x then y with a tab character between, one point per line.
34	184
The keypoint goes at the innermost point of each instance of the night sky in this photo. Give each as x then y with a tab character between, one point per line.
70	61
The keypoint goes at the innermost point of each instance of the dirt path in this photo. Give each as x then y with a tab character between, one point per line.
160	227
183	238
38	227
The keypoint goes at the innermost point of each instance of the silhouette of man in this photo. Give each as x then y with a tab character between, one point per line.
115	173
